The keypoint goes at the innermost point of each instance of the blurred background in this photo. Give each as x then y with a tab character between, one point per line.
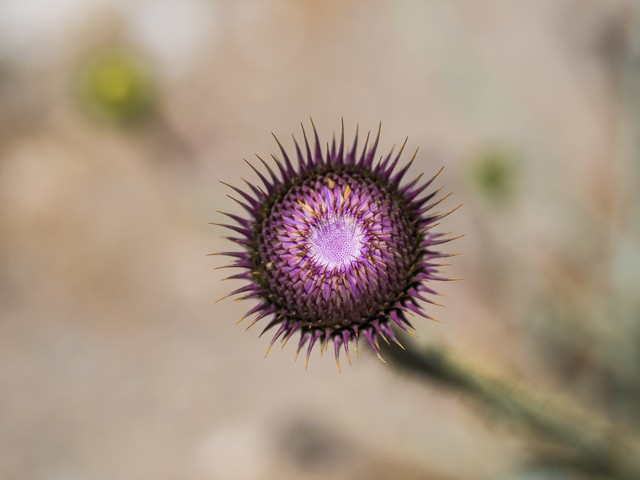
118	118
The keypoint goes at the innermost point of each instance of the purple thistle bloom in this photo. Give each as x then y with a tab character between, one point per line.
338	248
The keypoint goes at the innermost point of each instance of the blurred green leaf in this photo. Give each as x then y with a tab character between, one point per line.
495	174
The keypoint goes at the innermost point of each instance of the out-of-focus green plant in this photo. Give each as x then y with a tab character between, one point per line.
494	173
579	440
116	86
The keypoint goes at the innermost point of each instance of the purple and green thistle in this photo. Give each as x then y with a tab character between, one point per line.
337	248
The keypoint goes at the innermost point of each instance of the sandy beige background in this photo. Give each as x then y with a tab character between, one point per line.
115	363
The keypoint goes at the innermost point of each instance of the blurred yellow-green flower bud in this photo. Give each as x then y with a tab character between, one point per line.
116	86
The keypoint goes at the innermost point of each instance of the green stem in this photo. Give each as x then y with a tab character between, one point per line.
595	449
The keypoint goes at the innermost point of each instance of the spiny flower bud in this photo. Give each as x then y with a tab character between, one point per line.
337	248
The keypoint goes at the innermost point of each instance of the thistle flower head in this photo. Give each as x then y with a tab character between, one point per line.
337	248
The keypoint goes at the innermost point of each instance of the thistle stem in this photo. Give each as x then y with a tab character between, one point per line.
593	448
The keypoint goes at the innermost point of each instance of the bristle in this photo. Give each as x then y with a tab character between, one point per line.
264	180
419	203
240	230
258	192
318	149
363	155
283	172
381	166
351	156
346	338
248	208
389	170
372	151
274	179
312	341
397	178
337	343
291	330
374	345
281	330
304	338
252	201
291	172
309	158
235	218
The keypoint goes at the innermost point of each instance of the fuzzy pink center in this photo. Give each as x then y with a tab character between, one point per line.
336	242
